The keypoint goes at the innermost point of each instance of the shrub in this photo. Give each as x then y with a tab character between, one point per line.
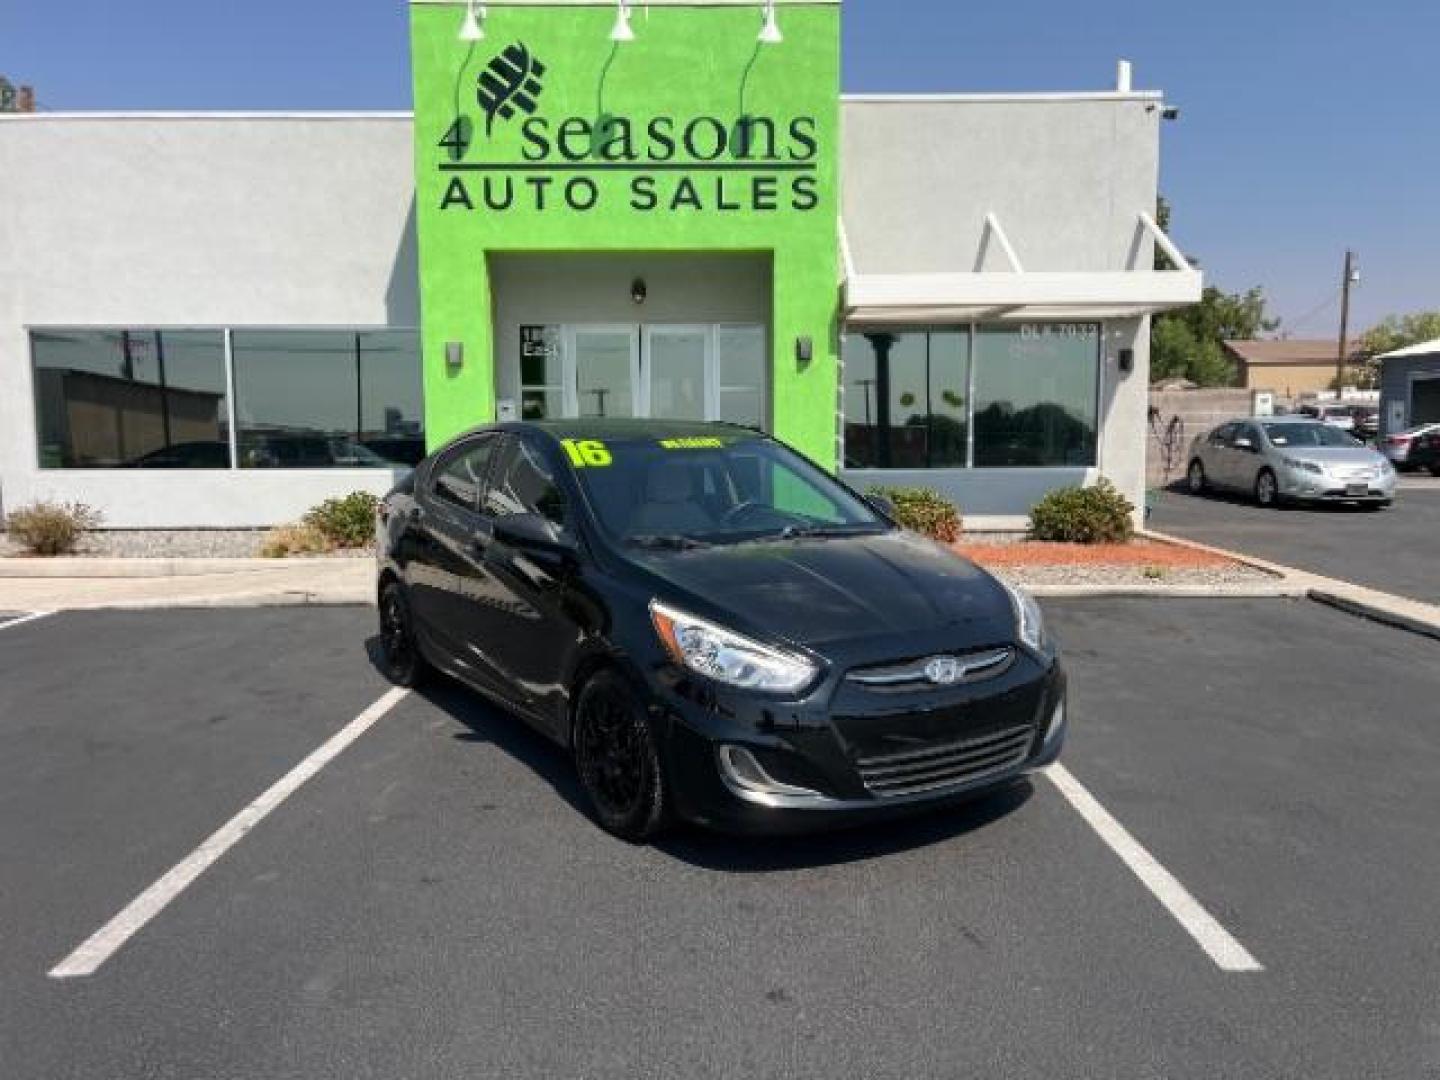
347	522
48	528
302	539
1076	515
924	511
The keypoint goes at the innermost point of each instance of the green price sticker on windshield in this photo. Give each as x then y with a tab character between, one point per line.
587	453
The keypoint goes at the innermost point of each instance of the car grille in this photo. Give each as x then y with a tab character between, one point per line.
970	668
946	765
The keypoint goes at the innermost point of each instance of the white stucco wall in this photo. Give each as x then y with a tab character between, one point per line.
196	222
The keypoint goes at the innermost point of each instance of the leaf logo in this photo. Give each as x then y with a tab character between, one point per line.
510	81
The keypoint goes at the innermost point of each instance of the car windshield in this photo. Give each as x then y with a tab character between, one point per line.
1307	435
695	490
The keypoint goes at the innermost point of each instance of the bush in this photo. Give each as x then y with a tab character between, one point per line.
347	522
924	511
1076	515
303	539
47	528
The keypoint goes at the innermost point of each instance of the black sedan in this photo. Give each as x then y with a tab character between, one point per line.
716	629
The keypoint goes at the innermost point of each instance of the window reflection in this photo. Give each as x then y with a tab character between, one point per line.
309	399
905	394
1036	391
131	398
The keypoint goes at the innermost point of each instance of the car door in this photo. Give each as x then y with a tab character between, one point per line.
516	600
438	543
1219	456
1249	459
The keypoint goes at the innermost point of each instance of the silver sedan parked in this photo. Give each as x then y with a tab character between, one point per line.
1276	458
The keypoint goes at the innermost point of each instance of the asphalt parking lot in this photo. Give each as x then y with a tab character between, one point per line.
1392	550
434	903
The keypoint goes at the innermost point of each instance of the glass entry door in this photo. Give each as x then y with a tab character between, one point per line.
677	373
604	371
664	371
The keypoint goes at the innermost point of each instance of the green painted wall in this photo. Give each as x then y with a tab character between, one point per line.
598	105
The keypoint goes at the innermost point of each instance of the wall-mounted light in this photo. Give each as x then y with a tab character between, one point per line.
638	291
454	355
804	351
473	28
622	31
770	31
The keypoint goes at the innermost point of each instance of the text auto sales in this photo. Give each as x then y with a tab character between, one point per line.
752	165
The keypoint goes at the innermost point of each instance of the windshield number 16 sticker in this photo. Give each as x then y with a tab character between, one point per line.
587	453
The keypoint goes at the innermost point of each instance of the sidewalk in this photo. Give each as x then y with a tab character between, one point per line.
61	584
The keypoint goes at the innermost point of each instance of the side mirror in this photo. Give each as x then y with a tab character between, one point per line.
882	505
534	533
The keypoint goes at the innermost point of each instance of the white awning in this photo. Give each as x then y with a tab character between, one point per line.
1017	294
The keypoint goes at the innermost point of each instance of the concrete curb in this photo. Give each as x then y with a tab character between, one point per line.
1163	592
65	566
1385	615
238	600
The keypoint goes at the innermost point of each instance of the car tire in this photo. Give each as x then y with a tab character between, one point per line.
400	658
618	760
1195	478
1267	489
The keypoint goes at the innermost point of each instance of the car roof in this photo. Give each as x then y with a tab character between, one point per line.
617	428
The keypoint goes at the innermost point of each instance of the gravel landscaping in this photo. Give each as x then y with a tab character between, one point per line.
1233	577
173	544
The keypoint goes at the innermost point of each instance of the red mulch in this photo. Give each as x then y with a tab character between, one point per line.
1135	553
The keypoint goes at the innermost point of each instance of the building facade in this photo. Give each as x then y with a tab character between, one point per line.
1409	387
220	319
1291	367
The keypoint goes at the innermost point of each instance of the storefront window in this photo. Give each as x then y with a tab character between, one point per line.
131	399
742	374
905	399
1036	394
307	399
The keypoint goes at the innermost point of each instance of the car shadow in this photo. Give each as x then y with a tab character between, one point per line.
770	854
488	724
1179	489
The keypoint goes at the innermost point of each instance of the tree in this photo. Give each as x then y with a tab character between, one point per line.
1397	331
1189	343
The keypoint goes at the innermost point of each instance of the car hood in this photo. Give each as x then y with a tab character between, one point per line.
886	595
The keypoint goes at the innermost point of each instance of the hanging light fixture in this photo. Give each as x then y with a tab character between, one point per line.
622	31
472	29
770	32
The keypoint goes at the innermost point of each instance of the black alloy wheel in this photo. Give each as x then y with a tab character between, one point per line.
399	656
616	757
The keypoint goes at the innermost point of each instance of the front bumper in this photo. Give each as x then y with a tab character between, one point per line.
1313	487
741	764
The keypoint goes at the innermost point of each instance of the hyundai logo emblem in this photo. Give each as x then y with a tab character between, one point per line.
943	670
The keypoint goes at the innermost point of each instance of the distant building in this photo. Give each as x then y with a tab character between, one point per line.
1290	367
1410	386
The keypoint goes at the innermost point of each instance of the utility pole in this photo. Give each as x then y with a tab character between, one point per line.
1351	276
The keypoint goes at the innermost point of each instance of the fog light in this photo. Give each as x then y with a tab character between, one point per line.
1057	720
741	770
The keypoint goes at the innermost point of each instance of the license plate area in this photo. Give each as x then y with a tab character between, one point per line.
1358	490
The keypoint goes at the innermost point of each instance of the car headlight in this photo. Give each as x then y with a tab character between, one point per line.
726	656
1029	622
1306	466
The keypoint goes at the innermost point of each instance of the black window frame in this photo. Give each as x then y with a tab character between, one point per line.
437	471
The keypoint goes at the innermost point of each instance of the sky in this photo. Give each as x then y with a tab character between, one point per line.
1306	126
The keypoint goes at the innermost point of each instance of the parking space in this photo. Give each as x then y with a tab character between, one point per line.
1392	550
434	901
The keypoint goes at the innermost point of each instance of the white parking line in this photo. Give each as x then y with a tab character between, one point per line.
103	944
24	619
1228	954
